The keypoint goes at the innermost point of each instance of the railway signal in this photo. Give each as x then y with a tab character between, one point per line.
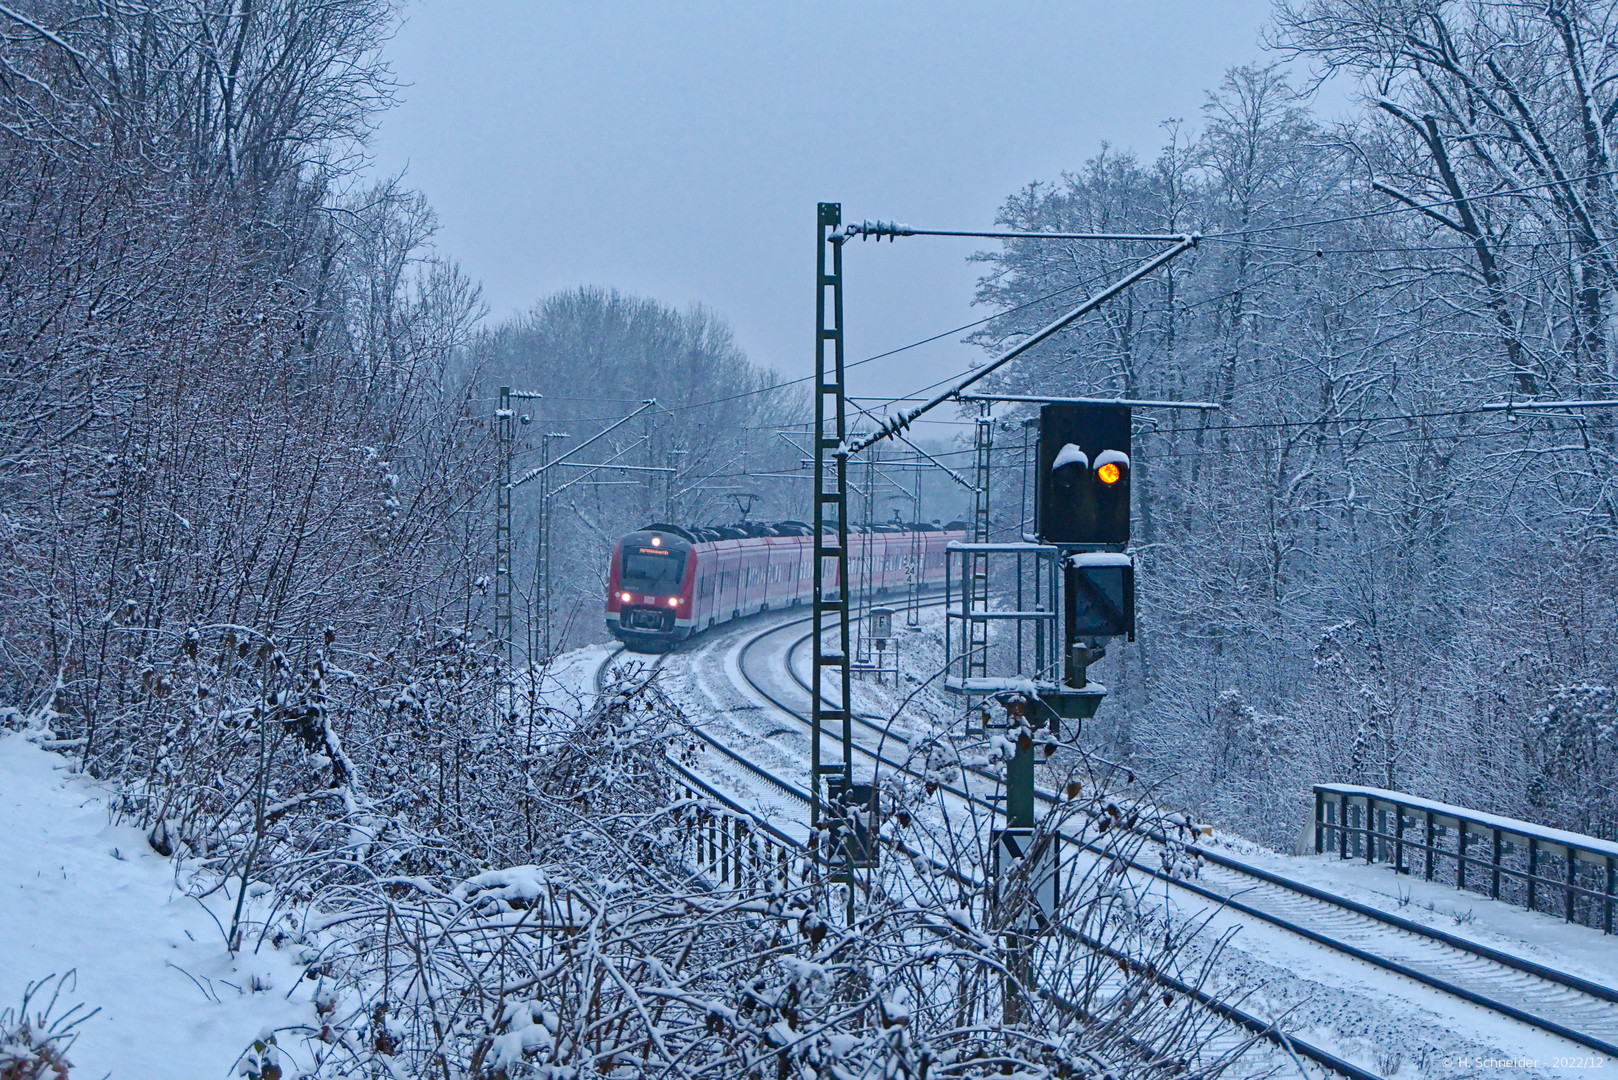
1083	494
1090	518
1100	595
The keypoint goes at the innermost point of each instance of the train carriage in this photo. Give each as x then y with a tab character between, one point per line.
666	582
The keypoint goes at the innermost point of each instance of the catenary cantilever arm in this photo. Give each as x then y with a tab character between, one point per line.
539	469
896	424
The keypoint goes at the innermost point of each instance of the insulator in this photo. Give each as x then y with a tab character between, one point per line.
878	229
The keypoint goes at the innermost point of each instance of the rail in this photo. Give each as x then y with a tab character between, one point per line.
715	837
734	849
1436	979
726	843
1506	859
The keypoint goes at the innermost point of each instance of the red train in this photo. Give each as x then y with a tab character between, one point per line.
667	583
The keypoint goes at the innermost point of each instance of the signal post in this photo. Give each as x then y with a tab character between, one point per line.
1082	519
1083	514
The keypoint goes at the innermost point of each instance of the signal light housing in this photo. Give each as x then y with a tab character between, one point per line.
1098	596
1083	490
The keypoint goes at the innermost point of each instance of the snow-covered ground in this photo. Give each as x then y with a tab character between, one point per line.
79	893
568	682
84	895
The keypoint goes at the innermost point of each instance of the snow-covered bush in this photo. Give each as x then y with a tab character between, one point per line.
35	1035
595	935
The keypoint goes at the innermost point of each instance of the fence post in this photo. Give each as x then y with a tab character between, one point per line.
1460	854
1494	883
1427	856
1612	887
1399	840
1342	826
1572	879
1533	869
724	853
1320	821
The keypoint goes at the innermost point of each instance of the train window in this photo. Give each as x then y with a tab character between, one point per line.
651	573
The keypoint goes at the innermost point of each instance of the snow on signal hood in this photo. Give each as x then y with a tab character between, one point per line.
1070	455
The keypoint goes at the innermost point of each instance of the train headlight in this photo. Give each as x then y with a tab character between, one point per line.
624	597
674	601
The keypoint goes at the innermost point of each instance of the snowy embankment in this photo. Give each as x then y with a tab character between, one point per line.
79	893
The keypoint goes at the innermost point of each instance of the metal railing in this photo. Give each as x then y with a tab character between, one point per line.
731	847
1535	867
1031	642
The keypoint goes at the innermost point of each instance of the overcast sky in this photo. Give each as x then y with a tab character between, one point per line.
677	149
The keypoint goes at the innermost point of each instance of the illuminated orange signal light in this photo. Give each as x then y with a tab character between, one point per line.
1110	473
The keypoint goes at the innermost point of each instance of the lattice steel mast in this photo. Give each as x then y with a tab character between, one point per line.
831	512
977	629
502	529
830	611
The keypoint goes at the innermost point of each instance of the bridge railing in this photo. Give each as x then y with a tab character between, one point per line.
729	845
1539	868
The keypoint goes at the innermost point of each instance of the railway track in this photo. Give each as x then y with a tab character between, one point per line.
764	776
1556	1002
1263	1029
1551	1001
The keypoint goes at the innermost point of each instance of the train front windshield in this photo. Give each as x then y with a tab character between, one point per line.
652	570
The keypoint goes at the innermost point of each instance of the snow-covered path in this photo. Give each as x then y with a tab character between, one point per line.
79	893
